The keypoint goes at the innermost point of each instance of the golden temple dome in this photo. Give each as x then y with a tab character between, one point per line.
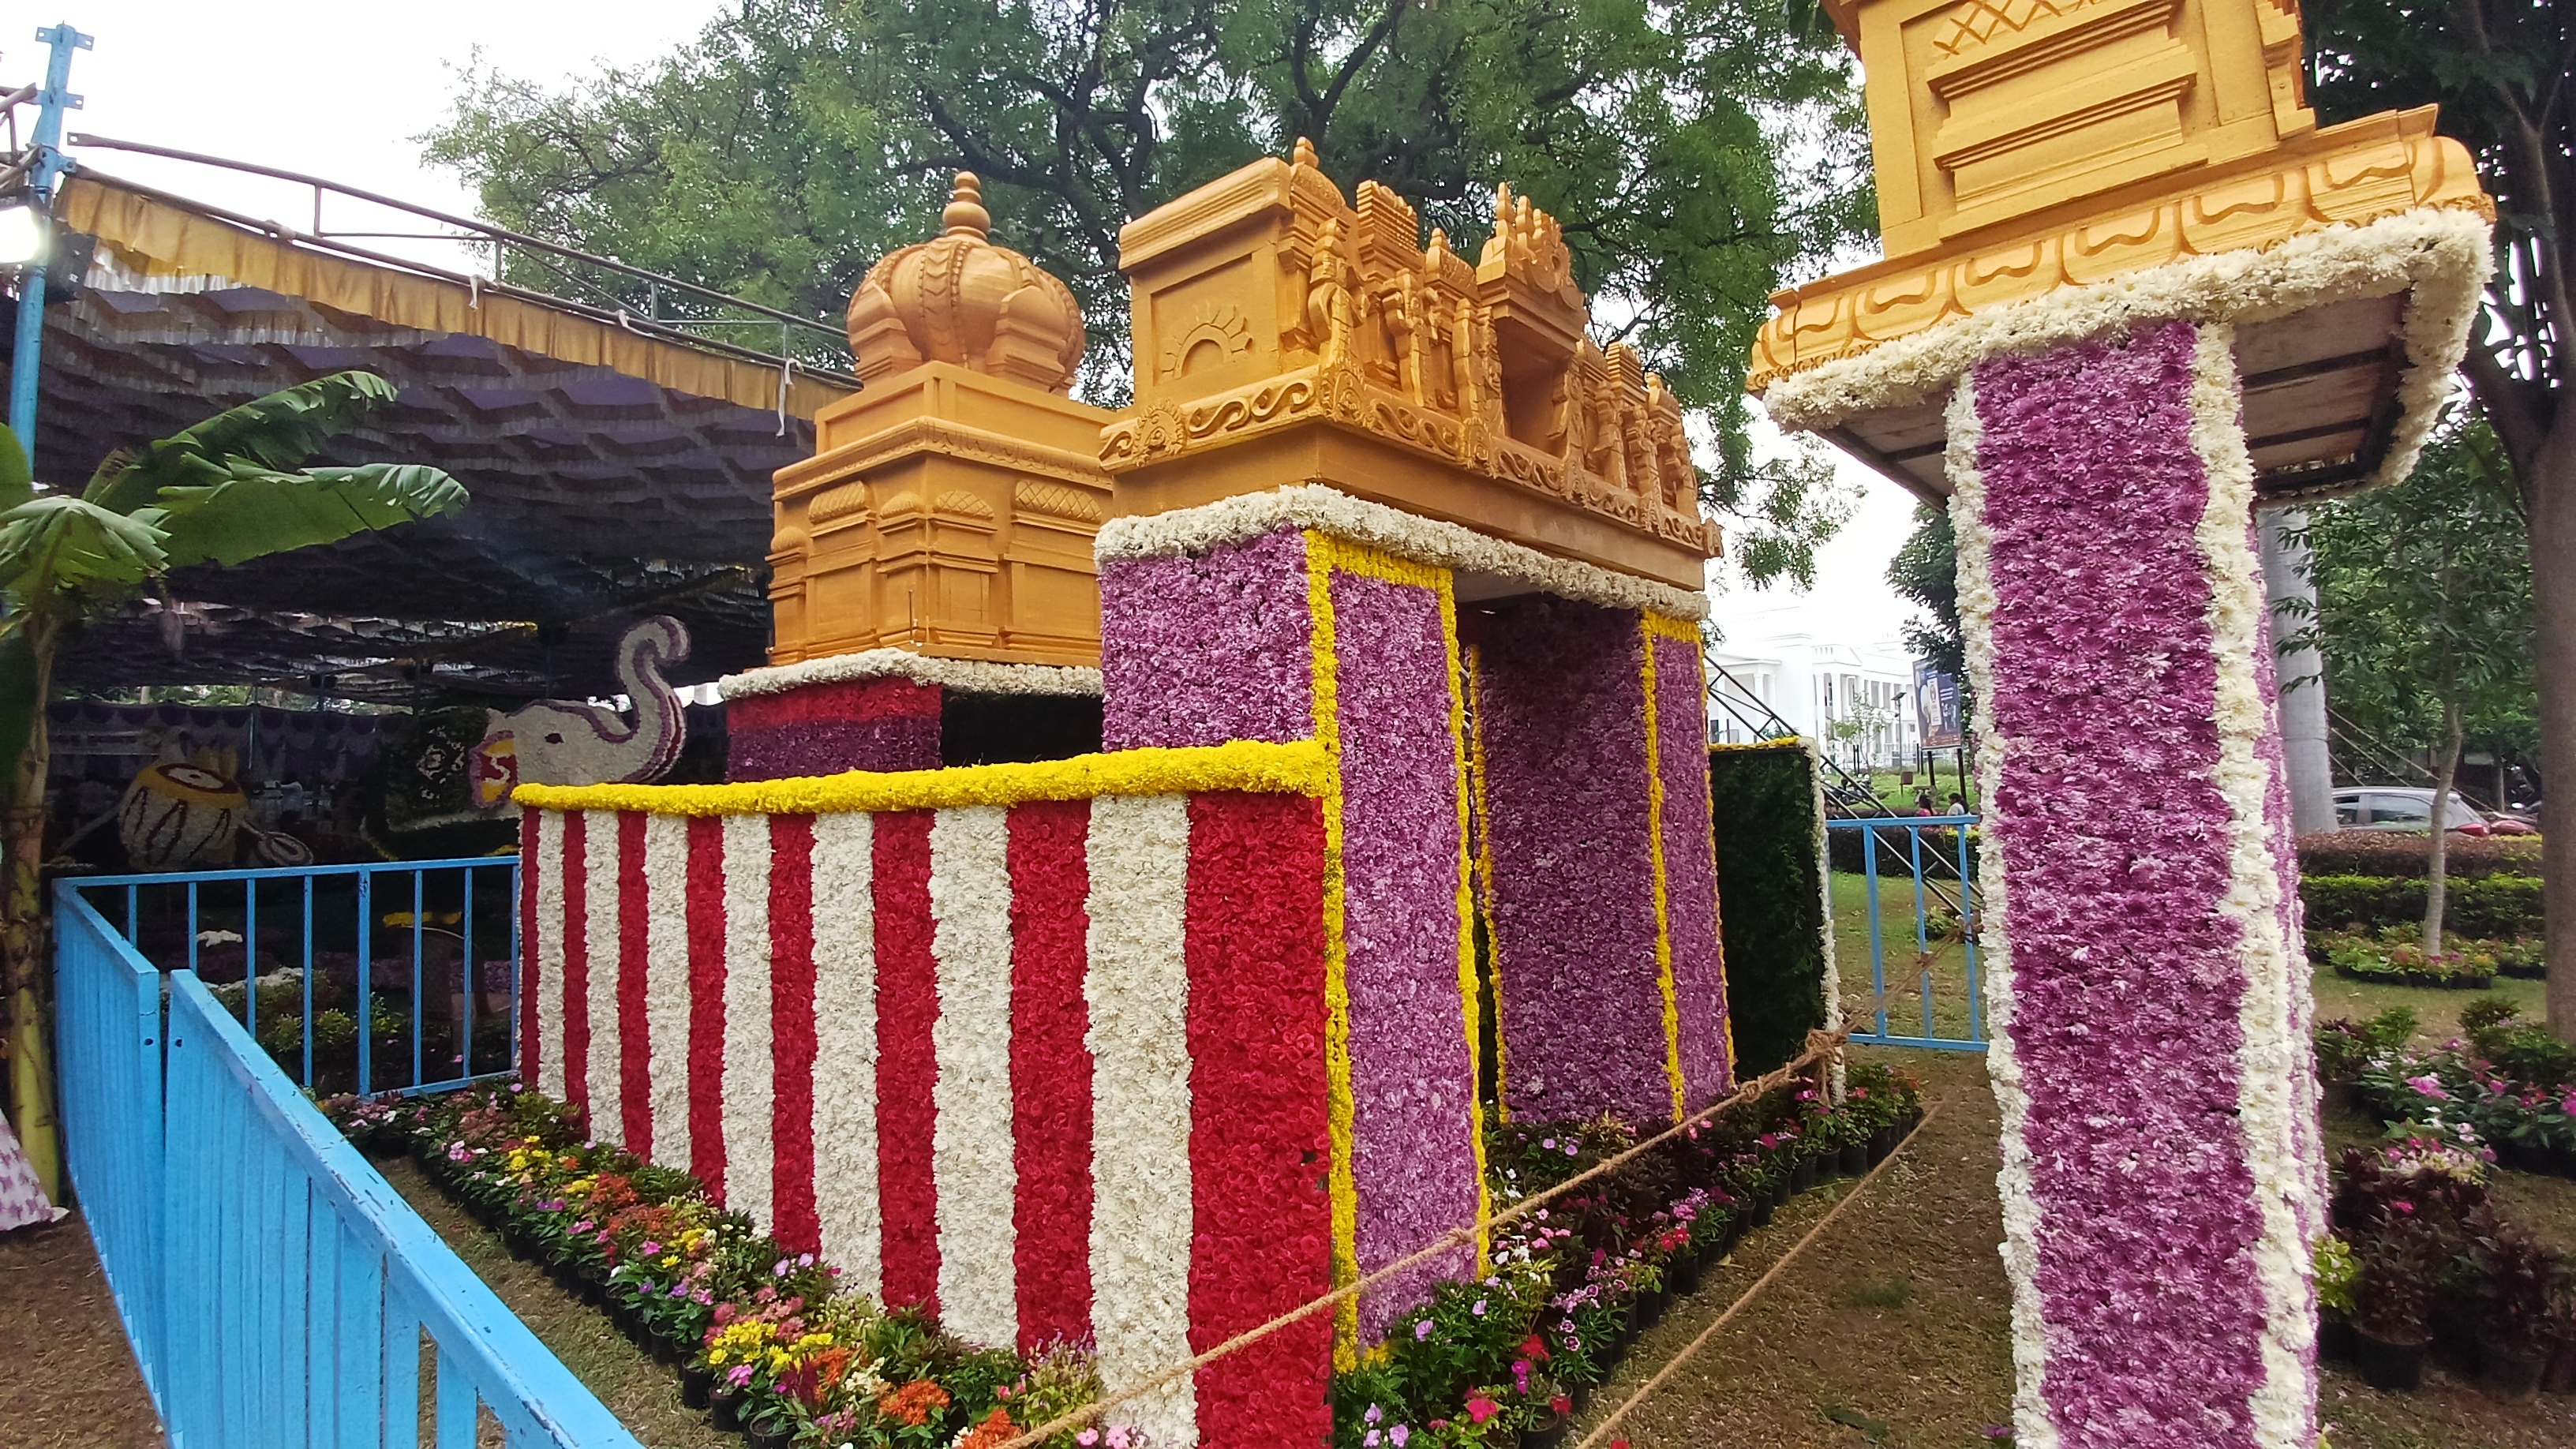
960	298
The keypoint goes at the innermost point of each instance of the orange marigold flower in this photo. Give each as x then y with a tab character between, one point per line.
914	1403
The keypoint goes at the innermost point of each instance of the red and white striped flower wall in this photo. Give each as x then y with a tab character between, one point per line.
1056	1068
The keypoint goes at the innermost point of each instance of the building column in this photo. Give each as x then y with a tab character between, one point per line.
2162	1178
2288	574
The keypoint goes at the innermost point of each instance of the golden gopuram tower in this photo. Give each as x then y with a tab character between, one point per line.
931	585
2132	289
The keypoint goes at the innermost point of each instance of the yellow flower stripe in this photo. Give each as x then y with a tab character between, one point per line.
1664	626
1655	851
1251	766
1467	1003
1340	1110
1485	872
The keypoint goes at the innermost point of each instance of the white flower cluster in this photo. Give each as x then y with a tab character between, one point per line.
548	951
666	986
599	899
971	1163
2278	1120
1406	535
1137	992
2437	256
749	1044
961	676
845	1067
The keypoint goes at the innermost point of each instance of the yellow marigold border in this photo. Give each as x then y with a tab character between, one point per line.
1249	766
1664	983
1477	776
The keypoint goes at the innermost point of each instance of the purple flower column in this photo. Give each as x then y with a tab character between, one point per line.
2159	1183
1561	721
1690	870
1250	641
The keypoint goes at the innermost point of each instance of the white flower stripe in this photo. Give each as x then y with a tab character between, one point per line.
1825	885
599	894
666	985
2032	1426
1423	540
845	1058
1137	989
749	1082
971	1161
2438	256
2270	1056
549	949
964	676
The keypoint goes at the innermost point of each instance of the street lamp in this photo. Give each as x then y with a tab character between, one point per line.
22	234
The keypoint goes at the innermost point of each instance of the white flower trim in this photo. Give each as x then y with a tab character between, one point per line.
599	895
972	1166
845	1049
2439	256
2284	1406
2032	1427
1833	984
1137	989
666	986
549	949
960	676
750	1071
1407	536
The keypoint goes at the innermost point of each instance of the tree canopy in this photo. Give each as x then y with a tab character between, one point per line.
1698	154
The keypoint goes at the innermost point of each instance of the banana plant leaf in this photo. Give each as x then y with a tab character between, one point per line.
256	511
60	545
278	431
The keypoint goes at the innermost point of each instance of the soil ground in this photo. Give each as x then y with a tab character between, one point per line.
67	1376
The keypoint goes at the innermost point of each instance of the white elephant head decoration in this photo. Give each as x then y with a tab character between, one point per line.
557	742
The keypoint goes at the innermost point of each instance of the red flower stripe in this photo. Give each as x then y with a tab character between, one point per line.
1051	1069
634	1031
531	1026
576	954
1259	1140
791	1026
706	1002
907	1063
833	703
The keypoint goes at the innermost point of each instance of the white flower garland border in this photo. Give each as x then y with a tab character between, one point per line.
2439	256
962	676
1422	540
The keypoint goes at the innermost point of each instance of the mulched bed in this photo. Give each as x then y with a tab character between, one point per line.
67	1376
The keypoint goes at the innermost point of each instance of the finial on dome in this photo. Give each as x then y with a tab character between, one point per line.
966	214
1304	154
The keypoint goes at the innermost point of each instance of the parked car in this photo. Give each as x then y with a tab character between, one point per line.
2396	808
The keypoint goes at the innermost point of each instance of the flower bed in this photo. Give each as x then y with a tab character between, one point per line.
1510	1357
761	1336
767	1341
2395	955
2421	1264
2508	1089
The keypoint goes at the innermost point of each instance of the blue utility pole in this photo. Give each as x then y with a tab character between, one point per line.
50	164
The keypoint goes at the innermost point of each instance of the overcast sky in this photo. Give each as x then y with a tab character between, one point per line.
341	90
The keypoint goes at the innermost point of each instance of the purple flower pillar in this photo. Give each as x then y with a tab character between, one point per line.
1292	635
1601	894
2160	1161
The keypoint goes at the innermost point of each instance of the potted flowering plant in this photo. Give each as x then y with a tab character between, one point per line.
2338	1277
2393	1295
2515	1279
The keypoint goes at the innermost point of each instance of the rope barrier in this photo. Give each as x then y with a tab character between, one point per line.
1821	1046
1593	1439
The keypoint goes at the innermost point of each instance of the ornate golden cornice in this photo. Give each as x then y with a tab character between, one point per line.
2346	175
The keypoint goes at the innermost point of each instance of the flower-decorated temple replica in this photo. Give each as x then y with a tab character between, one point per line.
1398	602
931	584
2131	291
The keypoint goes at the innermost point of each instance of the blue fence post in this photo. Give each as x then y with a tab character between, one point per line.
308	983
418	909
366	980
1969	923
465	1028
1877	946
1919	864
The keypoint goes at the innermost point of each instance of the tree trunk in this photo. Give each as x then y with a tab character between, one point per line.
22	933
2551	491
2437	872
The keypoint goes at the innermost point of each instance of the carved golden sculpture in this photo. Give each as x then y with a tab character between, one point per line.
949	508
1286	335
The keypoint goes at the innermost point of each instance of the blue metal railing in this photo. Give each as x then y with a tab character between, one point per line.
439	995
1947	1024
275	1287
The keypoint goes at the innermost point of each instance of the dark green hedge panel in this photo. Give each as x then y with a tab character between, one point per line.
1770	898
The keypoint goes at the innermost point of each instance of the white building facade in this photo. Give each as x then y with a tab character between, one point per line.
1855	700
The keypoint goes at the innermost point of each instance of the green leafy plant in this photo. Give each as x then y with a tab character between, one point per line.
228	490
2338	1274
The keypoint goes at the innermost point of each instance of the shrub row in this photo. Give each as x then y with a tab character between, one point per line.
2367	852
2489	907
